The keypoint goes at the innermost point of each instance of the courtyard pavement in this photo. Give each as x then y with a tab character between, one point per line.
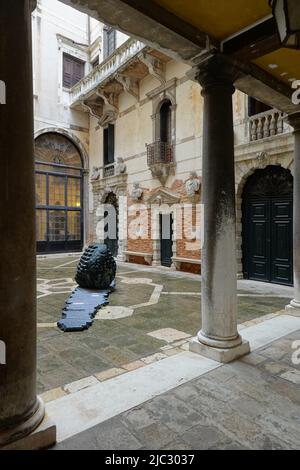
253	403
152	315
130	382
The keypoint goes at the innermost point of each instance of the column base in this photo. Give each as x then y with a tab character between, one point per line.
222	355
156	264
42	438
293	308
35	432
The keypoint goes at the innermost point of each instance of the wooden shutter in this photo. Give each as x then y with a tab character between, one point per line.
67	71
78	72
73	70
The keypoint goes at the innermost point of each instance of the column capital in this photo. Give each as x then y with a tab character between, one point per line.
213	71
294	121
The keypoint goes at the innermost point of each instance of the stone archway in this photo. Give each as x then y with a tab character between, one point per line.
85	171
244	169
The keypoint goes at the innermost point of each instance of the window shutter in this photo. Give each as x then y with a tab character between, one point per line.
73	71
67	72
78	72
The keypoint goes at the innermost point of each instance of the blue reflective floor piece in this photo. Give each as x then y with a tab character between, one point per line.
81	307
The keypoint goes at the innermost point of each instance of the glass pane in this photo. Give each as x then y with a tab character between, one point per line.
57	169
57	191
41	189
57	226
56	148
74	193
41	225
74	225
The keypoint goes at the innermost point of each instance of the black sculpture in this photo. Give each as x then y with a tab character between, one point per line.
96	268
95	275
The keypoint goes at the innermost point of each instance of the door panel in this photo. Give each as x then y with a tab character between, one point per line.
282	242
268	240
166	242
258	229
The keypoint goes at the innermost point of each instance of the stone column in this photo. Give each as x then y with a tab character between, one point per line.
218	338
21	412
294	121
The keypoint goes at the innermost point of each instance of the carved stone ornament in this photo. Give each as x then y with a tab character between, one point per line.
120	167
162	171
137	192
192	185
263	158
95	173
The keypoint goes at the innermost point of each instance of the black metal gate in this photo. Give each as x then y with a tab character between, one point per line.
268	226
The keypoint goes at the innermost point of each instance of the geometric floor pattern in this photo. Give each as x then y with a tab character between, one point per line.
148	306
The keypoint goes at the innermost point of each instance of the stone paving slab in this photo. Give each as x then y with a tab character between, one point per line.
243	405
114	343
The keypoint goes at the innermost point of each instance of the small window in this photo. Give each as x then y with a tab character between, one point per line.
73	70
109	41
109	144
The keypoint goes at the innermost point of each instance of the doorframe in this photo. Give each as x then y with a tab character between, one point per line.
242	242
245	165
171	218
163	209
48	208
85	171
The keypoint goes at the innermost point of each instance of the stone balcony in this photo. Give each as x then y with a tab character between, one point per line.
267	124
99	75
98	92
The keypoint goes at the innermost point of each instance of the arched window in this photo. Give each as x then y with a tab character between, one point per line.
58	178
166	122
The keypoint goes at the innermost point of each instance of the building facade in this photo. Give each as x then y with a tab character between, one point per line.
119	124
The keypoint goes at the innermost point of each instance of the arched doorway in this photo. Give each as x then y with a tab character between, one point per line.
111	229
59	194
268	226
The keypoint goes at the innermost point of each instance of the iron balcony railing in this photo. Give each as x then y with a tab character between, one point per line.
160	152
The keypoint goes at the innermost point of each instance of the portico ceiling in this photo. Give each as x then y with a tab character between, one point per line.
244	30
219	19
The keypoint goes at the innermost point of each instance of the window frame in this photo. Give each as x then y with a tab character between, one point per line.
68	84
